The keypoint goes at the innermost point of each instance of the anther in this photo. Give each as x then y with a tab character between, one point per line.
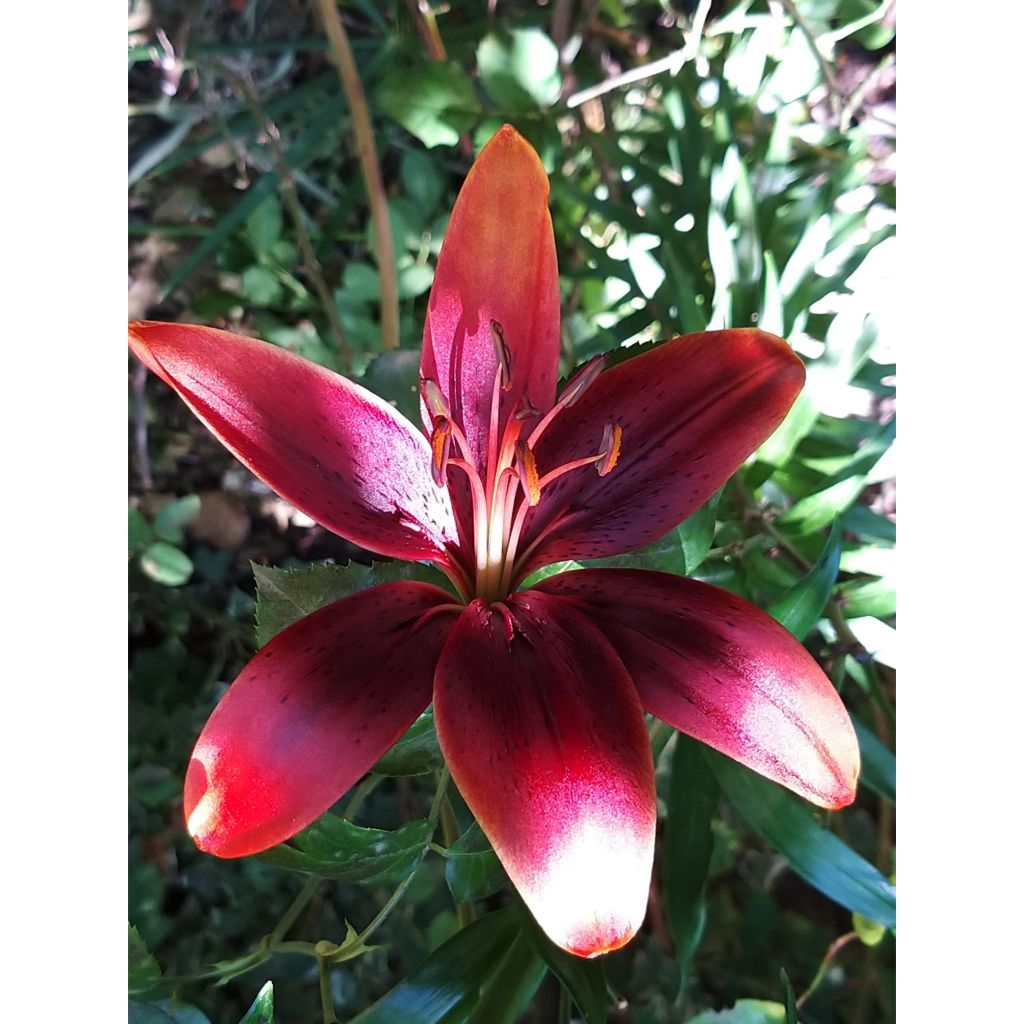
503	353
611	444
440	446
574	389
525	409
526	467
434	400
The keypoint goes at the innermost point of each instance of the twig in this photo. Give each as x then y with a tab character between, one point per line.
291	197
369	162
426	23
829	956
857	96
835	93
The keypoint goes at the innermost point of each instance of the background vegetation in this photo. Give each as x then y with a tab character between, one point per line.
712	164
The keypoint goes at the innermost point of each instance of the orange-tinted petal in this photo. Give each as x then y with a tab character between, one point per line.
310	714
332	448
722	671
545	738
497	264
690	410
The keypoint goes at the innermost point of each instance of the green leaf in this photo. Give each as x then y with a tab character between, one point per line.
802	605
414	280
519	69
261	286
816	855
878	762
416	753
166	564
435	102
692	803
166	1011
262	1009
517	978
697	534
422	180
143	970
263	225
790	997
746	1011
819	510
335	848
582	979
868	597
140	533
284	596
471	868
553	569
174	517
446	986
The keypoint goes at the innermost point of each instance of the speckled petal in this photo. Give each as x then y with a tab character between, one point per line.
310	714
330	447
724	672
545	738
690	410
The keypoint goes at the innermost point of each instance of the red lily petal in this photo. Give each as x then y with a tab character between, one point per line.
332	448
497	263
724	672
310	714
545	737
690	411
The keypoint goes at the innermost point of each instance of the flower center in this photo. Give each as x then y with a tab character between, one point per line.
509	481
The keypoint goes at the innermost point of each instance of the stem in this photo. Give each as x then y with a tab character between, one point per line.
369	163
829	956
291	198
291	915
363	790
564	1006
326	1002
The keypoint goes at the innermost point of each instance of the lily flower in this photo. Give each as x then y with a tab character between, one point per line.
539	694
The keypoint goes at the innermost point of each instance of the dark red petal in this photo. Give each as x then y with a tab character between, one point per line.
690	411
545	738
722	671
332	448
497	263
310	714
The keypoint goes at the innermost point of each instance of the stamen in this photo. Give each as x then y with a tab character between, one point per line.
574	389
611	444
440	447
503	353
526	467
433	399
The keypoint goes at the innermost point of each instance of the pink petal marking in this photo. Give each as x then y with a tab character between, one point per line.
310	714
332	448
545	738
724	672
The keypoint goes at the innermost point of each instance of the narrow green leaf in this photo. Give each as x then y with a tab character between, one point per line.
416	753
819	857
878	762
166	1011
514	983
264	224
446	986
335	848
550	570
166	564
140	533
284	596
143	970
262	1009
787	988
802	605
868	597
819	510
582	979
471	868
692	801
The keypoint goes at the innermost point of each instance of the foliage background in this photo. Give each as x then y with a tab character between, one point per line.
751	182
